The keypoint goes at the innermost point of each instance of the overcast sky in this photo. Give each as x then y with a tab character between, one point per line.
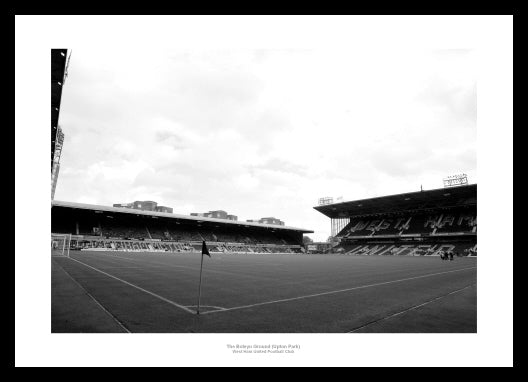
264	132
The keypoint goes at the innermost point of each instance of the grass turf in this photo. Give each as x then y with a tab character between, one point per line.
157	292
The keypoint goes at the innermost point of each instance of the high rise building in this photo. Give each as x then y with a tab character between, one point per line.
144	205
218	214
59	143
268	220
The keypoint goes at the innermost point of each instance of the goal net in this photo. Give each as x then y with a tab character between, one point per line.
60	244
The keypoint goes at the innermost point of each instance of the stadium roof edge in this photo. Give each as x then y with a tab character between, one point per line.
399	202
96	207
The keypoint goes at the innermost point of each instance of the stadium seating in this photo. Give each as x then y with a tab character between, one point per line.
405	249
124	232
457	223
158	230
88	227
420	224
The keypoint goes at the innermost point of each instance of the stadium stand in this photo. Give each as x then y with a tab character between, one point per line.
111	228
414	224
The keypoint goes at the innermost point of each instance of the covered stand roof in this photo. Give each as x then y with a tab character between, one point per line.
190	219
411	201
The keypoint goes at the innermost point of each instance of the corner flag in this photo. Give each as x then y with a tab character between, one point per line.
205	251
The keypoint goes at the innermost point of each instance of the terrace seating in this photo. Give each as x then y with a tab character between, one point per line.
419	224
124	231
86	228
158	230
462	249
371	227
457	223
391	226
179	234
453	221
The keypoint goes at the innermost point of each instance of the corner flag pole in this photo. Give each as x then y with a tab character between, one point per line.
200	287
205	251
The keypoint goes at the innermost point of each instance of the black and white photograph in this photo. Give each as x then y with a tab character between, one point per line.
242	195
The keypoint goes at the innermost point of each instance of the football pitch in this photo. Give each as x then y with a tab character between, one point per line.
93	292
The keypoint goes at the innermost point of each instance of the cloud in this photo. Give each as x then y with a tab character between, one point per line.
280	165
452	102
264	132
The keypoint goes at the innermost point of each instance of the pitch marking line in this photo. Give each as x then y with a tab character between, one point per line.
206	306
95	300
137	287
122	267
335	291
409	309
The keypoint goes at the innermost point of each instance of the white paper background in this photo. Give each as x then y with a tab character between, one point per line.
492	36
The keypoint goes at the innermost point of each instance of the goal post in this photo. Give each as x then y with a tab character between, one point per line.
60	244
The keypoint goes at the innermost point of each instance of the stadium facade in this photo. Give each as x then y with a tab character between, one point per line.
415	223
